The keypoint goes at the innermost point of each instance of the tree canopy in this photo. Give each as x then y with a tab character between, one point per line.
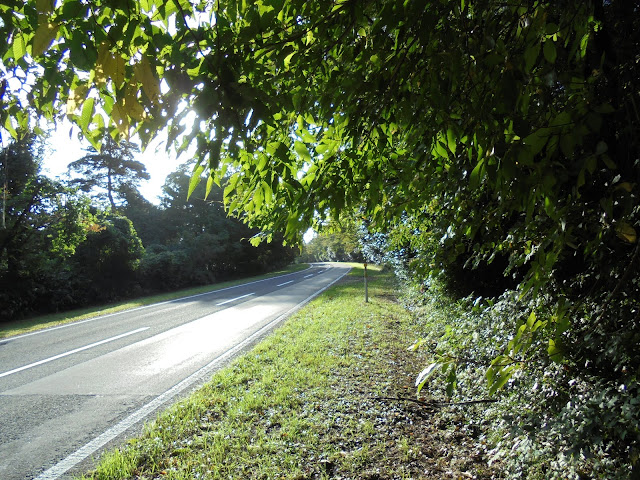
500	136
312	107
479	131
112	168
43	223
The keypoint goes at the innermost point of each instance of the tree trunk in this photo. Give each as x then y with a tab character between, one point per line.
110	190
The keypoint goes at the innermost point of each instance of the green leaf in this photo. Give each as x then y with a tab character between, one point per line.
537	140
425	374
210	183
288	58
440	150
531	56
451	141
498	376
19	46
301	150
258	197
584	43
8	124
555	350
45	34
626	232
477	174
549	51
196	177
87	113
268	193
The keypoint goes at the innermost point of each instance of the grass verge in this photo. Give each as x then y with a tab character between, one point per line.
321	397
18	327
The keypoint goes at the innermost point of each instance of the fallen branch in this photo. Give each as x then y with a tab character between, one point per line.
436	404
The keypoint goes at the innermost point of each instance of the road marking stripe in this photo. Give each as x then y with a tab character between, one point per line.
285	283
307	276
100	441
71	352
234	299
100	317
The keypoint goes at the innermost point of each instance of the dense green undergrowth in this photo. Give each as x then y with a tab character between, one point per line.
552	419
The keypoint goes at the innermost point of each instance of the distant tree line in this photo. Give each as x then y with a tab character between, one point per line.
96	239
339	242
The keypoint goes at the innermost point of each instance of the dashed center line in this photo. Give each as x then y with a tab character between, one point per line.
285	283
234	299
71	352
307	276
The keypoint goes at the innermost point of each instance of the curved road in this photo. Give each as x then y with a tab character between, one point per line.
68	391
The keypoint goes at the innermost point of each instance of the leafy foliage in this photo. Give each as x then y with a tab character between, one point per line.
553	421
339	242
58	252
196	243
475	134
108	259
43	223
112	169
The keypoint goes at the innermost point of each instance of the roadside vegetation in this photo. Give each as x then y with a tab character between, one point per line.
489	151
332	394
327	395
94	240
17	327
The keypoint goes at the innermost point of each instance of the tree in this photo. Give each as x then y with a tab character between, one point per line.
113	169
107	261
497	125
147	218
500	122
43	223
339	242
199	244
471	132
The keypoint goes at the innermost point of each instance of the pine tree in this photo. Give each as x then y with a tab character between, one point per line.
112	169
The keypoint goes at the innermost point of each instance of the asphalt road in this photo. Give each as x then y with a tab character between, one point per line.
68	391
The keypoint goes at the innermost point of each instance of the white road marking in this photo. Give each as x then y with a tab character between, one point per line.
100	441
285	283
67	325
307	276
234	299
71	352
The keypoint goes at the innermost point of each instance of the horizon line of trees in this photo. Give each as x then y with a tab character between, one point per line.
95	239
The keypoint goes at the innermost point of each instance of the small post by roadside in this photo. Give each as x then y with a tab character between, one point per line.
366	287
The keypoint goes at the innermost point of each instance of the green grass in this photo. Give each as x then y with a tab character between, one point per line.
17	327
290	408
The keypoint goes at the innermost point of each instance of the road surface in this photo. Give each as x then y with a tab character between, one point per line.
68	391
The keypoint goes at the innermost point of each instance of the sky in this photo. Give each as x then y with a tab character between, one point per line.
65	150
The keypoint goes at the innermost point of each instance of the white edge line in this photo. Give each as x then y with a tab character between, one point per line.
100	317
285	283
71	352
100	441
234	299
